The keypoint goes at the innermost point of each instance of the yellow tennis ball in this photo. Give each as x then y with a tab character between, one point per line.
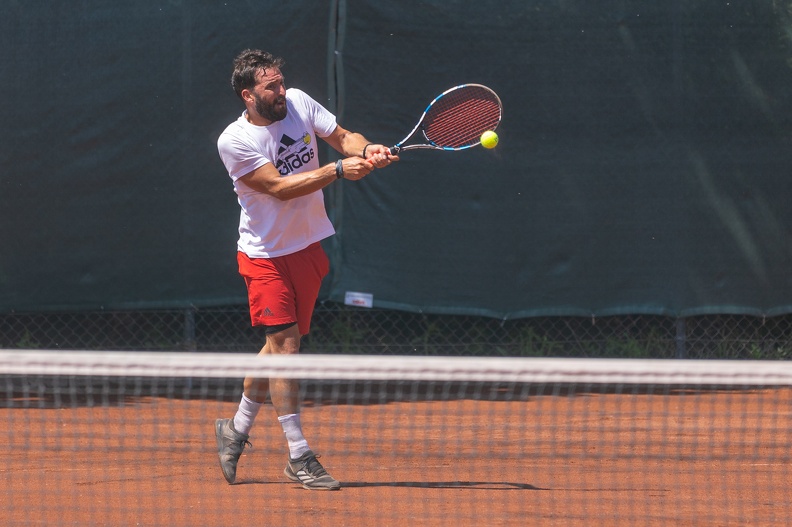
489	139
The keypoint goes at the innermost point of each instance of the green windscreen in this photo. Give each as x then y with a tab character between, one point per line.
643	167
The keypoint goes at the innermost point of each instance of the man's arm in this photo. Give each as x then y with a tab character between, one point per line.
268	180
352	144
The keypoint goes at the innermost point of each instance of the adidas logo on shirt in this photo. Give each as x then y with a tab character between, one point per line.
294	153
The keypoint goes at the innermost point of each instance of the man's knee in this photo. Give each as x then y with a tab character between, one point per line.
284	342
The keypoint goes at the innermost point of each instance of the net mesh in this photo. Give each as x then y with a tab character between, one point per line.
123	438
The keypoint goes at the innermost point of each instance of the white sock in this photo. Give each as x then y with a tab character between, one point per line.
246	414
293	430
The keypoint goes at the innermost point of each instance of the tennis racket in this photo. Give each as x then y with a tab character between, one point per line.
455	120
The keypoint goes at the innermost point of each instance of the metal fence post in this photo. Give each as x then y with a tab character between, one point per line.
681	339
190	343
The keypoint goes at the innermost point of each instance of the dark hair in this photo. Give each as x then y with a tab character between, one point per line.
248	64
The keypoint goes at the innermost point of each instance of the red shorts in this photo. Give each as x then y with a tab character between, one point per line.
284	289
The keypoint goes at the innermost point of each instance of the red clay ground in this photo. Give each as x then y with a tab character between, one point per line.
713	458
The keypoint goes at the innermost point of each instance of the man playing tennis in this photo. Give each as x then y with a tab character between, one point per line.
271	155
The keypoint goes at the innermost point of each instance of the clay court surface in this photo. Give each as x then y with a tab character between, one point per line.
708	458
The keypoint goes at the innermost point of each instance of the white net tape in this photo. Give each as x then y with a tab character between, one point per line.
355	367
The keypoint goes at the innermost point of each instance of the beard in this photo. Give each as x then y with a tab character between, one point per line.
271	112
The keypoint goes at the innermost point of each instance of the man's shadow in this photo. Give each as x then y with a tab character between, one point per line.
475	485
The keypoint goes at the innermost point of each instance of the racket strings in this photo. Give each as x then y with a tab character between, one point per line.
459	119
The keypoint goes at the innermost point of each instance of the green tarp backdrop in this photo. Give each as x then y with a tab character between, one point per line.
645	163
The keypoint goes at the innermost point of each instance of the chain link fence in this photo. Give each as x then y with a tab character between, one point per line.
347	330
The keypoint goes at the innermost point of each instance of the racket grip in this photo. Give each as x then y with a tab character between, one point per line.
394	151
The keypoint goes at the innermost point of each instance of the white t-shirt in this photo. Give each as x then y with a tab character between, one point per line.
269	227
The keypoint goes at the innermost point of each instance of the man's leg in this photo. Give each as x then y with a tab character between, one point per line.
232	434
254	395
285	393
303	466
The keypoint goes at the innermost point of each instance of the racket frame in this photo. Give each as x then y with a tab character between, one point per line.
400	146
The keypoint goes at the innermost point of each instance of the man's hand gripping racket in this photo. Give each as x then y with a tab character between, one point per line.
454	120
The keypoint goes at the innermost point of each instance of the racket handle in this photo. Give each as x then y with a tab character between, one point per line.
394	151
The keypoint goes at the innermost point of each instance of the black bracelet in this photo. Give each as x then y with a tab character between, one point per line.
340	169
364	149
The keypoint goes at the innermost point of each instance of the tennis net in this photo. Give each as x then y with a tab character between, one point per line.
121	438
